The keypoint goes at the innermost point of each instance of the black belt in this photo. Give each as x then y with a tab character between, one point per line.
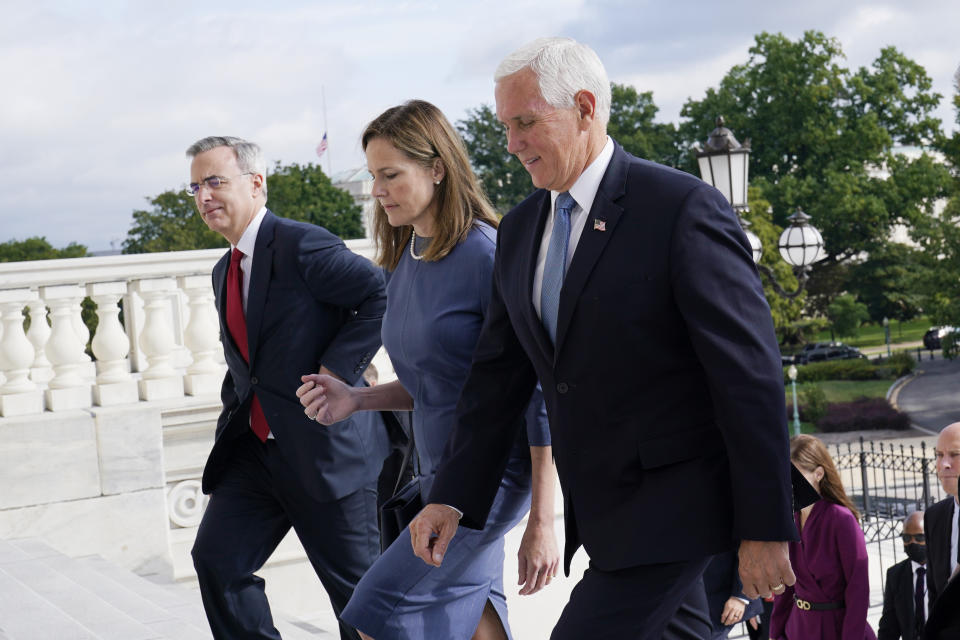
806	605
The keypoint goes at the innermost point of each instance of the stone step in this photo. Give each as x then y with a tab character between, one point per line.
105	621
26	614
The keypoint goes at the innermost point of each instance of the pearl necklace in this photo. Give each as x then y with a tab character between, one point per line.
413	239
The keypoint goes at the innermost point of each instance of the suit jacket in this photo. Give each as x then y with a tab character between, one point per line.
311	302
721	581
664	389
898	619
944	620
938	527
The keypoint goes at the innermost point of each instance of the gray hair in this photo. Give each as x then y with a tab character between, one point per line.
249	156
563	67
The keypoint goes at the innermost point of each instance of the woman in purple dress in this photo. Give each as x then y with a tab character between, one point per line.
830	598
436	237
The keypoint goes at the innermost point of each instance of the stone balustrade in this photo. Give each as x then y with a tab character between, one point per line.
166	346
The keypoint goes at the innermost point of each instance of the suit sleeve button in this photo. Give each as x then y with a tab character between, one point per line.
562	387
254	380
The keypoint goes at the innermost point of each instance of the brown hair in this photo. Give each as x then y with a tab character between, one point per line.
808	453
423	133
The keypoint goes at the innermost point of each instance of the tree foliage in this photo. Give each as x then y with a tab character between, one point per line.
37	248
299	192
823	137
887	282
631	124
846	315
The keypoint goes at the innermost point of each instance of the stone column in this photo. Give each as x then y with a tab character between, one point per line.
160	380
38	334
111	346
202	337
18	395
68	389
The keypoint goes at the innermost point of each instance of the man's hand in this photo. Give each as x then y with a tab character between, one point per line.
765	568
326	399
732	611
431	531
538	557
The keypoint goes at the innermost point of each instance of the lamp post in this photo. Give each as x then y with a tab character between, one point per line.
724	163
792	374
886	331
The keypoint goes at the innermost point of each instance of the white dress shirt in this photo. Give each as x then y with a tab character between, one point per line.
953	536
246	245
584	190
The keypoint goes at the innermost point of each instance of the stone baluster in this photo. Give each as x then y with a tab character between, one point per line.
111	346
19	395
38	334
202	337
68	389
89	370
160	380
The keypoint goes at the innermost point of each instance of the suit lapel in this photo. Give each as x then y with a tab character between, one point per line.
531	249
259	281
592	240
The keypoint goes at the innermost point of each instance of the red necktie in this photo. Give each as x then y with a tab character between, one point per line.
237	324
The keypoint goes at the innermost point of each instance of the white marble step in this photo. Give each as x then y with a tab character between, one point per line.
46	595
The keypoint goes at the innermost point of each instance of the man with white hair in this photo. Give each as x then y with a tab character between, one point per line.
291	298
940	522
619	260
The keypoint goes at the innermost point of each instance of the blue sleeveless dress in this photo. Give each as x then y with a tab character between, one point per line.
435	311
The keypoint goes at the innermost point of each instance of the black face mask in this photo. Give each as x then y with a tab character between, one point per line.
916	552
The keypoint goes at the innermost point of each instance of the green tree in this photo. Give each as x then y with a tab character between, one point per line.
37	248
631	124
846	315
887	282
823	137
503	178
299	192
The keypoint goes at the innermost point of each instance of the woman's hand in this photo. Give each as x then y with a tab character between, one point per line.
732	611
326	399
538	558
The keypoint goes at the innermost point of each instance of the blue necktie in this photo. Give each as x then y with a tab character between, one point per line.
556	264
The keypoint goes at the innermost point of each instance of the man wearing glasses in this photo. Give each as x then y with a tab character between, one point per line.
291	298
905	606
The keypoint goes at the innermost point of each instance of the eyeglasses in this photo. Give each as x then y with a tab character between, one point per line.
915	537
214	182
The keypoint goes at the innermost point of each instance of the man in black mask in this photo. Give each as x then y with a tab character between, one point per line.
905	600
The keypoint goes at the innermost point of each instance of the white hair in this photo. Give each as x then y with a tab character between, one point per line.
563	67
249	155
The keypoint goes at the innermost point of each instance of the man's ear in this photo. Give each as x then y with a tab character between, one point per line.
258	182
586	104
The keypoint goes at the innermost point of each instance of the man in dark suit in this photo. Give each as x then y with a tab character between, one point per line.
904	597
940	521
618	260
291	298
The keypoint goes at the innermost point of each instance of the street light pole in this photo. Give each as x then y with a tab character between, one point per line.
886	330
792	373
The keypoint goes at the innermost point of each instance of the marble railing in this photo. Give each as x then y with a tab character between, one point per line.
157	335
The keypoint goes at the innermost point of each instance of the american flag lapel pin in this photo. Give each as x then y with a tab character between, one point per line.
599	225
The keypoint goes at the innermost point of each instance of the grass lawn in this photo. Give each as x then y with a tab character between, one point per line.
842	391
872	335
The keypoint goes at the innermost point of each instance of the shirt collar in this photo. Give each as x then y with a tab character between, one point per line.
584	190
248	240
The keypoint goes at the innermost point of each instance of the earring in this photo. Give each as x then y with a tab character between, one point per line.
436	182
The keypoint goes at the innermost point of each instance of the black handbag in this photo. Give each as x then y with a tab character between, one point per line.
397	512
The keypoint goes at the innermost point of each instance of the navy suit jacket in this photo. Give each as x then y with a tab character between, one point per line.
664	392
311	302
898	619
938	528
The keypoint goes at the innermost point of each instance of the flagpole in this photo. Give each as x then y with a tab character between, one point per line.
326	131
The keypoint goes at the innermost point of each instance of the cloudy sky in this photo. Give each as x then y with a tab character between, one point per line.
100	99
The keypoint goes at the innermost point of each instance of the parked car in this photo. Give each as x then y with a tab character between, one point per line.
822	351
931	339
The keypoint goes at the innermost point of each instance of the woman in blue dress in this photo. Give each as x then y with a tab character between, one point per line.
436	236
